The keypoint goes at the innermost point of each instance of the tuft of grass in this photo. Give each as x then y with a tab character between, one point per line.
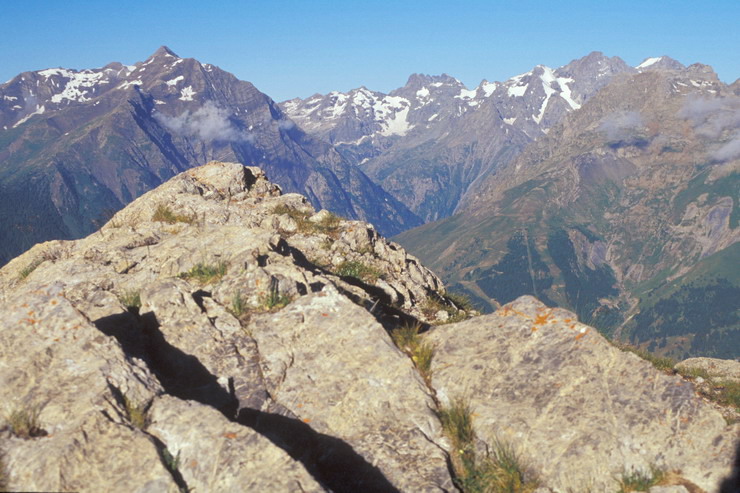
694	373
239	307
358	270
24	423
171	462
329	225
136	412
410	341
728	394
457	423
640	480
500	471
131	299
274	300
165	215
205	273
461	301
433	304
26	271
294	214
661	363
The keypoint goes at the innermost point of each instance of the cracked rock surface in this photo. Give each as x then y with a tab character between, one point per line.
216	335
581	411
237	391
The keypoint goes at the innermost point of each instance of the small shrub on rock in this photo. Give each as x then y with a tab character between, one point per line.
205	273
165	215
274	300
358	270
239	307
136	412
500	471
25	272
639	480
408	340
131	299
24	423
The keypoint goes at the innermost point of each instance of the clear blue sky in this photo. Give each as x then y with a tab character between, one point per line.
300	47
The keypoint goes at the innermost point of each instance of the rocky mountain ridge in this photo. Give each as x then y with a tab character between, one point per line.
217	335
431	141
75	146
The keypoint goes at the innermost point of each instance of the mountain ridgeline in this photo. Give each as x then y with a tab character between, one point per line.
607	189
432	141
76	146
626	212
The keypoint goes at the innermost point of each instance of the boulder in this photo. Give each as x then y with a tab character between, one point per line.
578	410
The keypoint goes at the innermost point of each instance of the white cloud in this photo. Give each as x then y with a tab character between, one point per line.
713	117
208	123
621	125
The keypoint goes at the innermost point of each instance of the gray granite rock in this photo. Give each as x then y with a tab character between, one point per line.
579	410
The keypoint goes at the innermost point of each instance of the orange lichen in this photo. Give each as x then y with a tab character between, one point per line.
306	420
541	319
230	435
579	336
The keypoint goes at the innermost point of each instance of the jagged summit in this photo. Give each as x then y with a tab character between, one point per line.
164	51
660	63
420	80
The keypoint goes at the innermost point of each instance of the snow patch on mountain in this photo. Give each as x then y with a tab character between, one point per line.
130	83
74	90
187	93
173	82
466	94
488	88
56	71
517	91
40	109
649	61
566	94
398	124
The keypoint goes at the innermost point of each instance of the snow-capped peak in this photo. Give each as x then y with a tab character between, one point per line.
649	61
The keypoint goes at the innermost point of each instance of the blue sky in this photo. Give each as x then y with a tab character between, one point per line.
297	48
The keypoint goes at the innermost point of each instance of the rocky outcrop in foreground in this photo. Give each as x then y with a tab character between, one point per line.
216	335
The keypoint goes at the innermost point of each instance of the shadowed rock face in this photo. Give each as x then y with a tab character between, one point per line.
219	336
312	397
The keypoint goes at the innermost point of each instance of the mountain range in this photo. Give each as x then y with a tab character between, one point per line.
626	212
432	141
608	189
76	146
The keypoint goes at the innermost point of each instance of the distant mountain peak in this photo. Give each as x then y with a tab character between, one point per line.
420	80
660	63
164	51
